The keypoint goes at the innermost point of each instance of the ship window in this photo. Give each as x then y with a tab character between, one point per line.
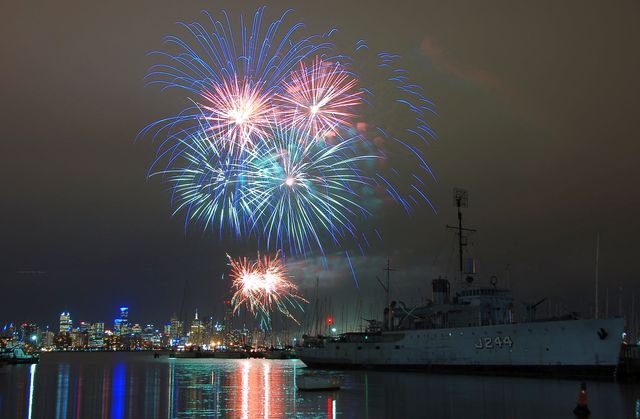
397	347
377	347
337	347
359	347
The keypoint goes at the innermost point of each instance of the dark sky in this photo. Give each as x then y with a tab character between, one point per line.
538	105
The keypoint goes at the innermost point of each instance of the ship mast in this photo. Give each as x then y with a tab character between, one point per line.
460	200
388	269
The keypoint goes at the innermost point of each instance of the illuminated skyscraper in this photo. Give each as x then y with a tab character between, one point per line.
65	322
124	314
96	335
47	339
176	330
196	335
121	324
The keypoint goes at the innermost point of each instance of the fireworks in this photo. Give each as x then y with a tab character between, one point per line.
302	189
230	82
262	286
235	113
287	141
320	98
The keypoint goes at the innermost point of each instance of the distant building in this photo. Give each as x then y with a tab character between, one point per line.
136	330
197	332
9	331
121	324
176	330
65	322
79	339
47	339
29	333
96	335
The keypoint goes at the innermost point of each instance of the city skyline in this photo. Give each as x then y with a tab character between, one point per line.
547	165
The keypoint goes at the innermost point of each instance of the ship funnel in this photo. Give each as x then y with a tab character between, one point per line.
441	291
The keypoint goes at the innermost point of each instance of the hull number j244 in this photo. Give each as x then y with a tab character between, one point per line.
492	343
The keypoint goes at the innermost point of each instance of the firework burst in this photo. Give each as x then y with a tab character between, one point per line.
262	286
320	98
230	80
302	190
235	113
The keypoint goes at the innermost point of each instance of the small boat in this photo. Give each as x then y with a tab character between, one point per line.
198	354
17	355
318	381
280	353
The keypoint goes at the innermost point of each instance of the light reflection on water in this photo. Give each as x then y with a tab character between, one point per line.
125	385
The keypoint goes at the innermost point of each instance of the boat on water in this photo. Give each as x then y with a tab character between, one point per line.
280	353
17	355
318	381
209	354
472	330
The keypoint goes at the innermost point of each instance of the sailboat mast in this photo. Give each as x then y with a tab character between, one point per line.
316	309
458	199
597	286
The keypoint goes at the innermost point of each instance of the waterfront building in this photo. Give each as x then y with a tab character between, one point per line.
79	339
136	330
46	339
176	330
30	334
65	322
165	339
62	341
96	335
197	332
9	331
121	324
147	333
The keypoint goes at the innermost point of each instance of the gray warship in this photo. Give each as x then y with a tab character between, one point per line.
472	330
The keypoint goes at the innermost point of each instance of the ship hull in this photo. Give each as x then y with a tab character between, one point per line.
571	347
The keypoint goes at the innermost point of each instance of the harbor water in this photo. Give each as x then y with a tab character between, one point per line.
135	385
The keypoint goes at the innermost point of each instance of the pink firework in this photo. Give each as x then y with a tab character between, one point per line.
319	98
247	283
263	285
236	112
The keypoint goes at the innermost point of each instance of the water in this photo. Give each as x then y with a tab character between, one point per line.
135	385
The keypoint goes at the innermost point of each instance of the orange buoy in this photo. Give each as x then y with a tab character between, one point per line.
582	409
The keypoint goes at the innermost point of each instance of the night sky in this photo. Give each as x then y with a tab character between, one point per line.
538	119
